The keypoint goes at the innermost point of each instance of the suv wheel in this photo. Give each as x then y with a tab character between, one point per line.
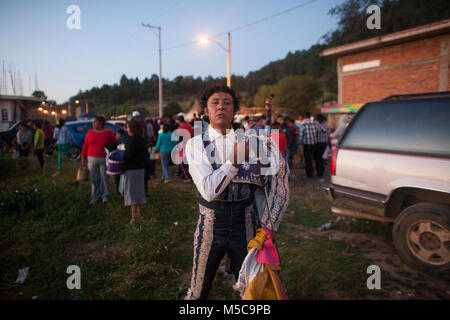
422	237
74	153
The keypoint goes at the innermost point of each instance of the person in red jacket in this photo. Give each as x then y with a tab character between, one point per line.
279	138
183	170
93	156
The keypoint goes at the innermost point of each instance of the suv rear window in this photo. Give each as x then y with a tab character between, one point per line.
411	126
83	128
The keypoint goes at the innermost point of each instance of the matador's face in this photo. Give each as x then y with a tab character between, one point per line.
220	110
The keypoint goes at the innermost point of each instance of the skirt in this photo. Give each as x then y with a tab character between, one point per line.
133	187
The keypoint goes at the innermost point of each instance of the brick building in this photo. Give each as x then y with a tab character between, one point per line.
414	60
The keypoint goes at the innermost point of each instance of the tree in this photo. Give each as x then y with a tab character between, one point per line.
172	107
262	94
297	94
39	94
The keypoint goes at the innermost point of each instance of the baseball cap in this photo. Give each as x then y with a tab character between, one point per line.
136	114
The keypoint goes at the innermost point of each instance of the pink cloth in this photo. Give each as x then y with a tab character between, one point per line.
268	254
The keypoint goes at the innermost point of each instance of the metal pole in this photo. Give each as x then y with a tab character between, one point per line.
229	61
160	91
160	85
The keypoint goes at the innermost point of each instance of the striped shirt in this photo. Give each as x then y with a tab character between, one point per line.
308	132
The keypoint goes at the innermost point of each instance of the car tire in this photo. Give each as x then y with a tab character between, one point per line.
74	153
421	235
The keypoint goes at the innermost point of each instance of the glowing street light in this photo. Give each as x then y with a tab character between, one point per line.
40	109
205	40
64	112
45	111
53	113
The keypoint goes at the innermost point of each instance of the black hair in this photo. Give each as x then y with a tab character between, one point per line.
135	127
38	125
272	95
321	118
307	115
166	128
214	89
62	122
101	120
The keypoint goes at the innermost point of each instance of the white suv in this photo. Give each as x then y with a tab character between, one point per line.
394	159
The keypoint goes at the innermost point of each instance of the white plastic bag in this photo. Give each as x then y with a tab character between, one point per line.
249	270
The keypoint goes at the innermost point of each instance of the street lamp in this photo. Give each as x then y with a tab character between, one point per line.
205	40
77	102
160	88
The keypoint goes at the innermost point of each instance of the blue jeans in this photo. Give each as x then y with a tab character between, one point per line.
165	157
100	180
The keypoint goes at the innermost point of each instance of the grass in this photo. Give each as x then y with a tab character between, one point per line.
47	224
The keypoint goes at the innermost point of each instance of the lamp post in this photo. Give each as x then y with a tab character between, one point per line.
160	88
228	50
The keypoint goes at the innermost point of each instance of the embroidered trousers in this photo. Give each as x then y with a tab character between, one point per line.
224	229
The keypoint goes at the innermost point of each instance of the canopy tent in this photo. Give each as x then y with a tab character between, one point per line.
342	108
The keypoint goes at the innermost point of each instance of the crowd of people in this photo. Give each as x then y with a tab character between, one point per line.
146	140
39	137
307	137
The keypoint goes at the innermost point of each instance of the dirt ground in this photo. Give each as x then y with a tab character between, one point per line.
404	281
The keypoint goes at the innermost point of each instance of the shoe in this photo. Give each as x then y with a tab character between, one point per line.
93	201
187	181
105	201
167	180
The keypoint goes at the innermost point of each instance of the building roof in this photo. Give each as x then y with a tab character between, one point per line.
425	31
21	98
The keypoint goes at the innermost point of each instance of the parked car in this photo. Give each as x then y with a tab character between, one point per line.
78	131
394	159
8	137
120	123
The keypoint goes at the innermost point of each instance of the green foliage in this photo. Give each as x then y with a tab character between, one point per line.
39	94
395	16
297	93
263	92
172	107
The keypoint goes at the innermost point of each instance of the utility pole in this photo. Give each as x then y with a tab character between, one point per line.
229	61
160	88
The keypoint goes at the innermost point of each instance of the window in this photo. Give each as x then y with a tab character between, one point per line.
4	115
23	114
411	126
111	127
83	128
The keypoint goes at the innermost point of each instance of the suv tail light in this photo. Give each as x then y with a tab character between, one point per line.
333	161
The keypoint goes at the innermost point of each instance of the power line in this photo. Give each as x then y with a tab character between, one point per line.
266	18
245	25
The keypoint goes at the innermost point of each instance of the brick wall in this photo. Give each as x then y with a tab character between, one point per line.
411	67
